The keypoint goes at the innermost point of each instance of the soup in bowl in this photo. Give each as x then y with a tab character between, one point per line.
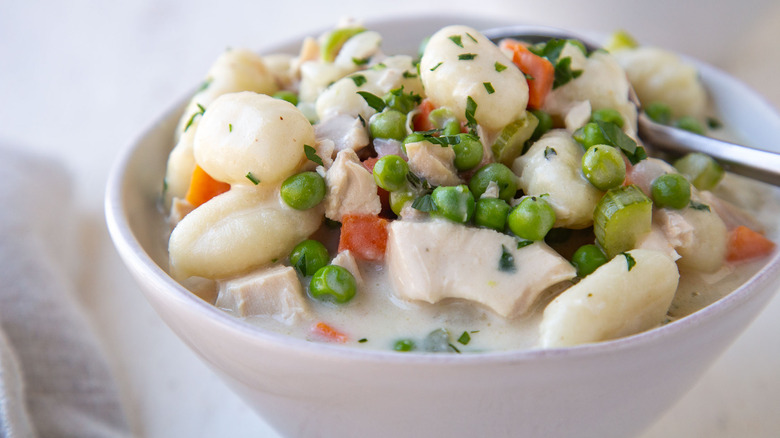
413	342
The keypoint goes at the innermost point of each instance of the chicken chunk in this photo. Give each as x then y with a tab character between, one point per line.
351	188
433	162
436	260
274	292
347	132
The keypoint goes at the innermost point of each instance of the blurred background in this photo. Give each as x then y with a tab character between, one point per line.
80	80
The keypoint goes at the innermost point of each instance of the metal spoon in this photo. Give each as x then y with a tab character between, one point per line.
754	163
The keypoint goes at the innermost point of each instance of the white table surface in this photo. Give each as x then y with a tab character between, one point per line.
79	80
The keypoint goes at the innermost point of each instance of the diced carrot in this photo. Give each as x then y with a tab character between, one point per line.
420	120
745	244
364	235
203	187
384	195
329	333
540	71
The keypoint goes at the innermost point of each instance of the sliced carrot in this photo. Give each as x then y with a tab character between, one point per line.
203	187
329	333
364	235
539	71
421	121
745	244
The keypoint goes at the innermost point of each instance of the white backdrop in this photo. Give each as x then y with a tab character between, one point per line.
79	80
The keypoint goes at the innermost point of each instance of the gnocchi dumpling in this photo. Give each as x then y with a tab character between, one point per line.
629	294
243	133
552	166
458	63
237	231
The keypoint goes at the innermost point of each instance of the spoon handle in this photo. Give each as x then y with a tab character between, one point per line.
754	163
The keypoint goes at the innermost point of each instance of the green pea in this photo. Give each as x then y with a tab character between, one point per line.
491	213
399	198
545	124
468	153
531	219
388	124
390	173
451	128
590	135
690	124
440	117
671	190
303	191
498	173
659	112
309	256
402	102
455	203
334	284
607	115
587	259
404	345
289	96
604	167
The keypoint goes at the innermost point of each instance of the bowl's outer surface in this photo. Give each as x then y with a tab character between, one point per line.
615	388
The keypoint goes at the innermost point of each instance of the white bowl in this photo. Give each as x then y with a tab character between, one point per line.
300	388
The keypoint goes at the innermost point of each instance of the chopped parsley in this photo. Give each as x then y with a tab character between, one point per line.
362	340
524	243
499	67
230	127
424	203
358	80
471	37
552	51
311	154
300	265
471	109
617	138
205	84
192	119
362	120
444	140
373	100
629	260
454	348
489	87
714	123
507	261
409	75
564	73
358	61
457	40
699	206
465	338
529	77
549	152
417	182
436	66
466	56
255	180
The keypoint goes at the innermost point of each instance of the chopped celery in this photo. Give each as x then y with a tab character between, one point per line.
509	144
335	39
621	40
620	218
701	169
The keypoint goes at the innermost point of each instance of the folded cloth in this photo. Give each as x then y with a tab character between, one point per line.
54	379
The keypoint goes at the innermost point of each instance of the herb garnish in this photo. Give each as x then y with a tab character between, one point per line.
549	152
358	61
424	203
192	119
205	84
471	109
300	265
564	73
471	37
409	75
489	87
699	206
444	140
230	127
457	40
362	340
499	67
714	123
465	338
617	138
362	120
524	243
255	180
373	100
311	154
454	348
436	66
507	261
629	260
466	56
417	182
552	51
358	80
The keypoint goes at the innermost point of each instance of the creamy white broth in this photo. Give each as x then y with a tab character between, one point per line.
376	318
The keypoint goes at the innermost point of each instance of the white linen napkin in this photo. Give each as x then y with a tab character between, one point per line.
54	379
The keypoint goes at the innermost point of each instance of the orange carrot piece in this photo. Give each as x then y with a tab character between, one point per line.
420	120
745	244
329	333
364	235
203	187
540	71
